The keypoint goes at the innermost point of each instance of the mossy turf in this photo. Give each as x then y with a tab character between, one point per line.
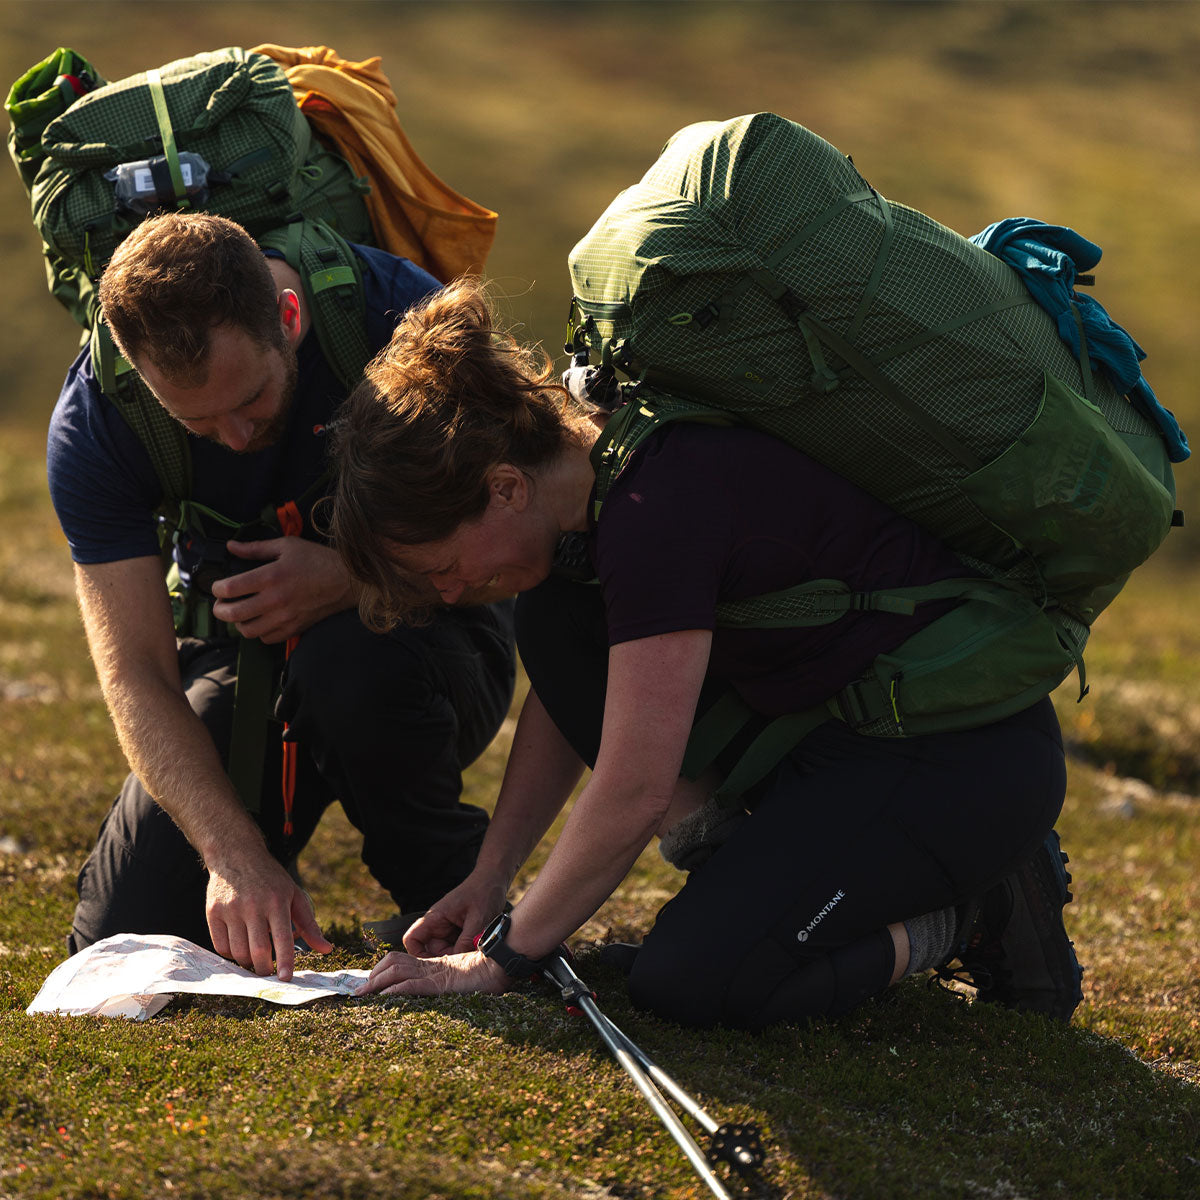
1077	113
924	1094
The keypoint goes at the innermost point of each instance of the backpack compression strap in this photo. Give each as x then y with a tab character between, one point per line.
823	601
163	437
332	282
167	132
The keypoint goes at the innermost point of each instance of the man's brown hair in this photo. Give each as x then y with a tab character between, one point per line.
176	277
447	399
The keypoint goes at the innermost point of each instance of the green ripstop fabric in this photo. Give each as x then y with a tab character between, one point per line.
164	438
238	112
754	275
44	92
234	108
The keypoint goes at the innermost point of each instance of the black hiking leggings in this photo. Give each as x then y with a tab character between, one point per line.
789	918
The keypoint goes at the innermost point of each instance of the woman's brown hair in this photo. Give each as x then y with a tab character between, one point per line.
448	398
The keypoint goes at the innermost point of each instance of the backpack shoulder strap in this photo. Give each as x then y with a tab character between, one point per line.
332	281
163	437
632	423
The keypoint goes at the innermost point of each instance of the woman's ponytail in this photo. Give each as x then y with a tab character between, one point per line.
448	398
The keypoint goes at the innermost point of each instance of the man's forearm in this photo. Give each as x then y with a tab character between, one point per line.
173	754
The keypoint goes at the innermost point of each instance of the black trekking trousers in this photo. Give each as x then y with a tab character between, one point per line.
788	919
384	723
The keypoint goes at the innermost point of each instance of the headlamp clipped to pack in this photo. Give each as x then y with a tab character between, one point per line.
145	185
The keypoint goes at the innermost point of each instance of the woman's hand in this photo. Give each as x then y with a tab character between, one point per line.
456	920
399	974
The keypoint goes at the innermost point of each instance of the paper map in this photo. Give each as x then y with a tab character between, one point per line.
136	975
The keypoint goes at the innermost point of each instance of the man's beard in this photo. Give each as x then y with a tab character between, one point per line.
273	430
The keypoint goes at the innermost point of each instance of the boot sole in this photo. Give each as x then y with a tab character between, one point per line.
1044	890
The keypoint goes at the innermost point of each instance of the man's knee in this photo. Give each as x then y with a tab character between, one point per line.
208	671
341	681
421	692
142	876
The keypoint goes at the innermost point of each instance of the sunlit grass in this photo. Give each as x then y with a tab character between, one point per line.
1076	113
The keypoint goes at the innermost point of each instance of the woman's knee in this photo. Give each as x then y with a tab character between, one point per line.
701	987
677	985
765	984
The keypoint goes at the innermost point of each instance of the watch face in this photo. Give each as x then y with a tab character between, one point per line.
493	934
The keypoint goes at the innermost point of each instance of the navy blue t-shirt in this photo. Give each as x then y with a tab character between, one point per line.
102	481
703	514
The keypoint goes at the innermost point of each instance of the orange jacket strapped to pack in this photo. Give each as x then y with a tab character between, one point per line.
414	213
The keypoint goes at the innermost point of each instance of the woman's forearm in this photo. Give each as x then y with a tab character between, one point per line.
653	684
541	773
602	838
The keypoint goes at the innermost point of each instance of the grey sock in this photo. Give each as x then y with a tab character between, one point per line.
930	938
694	839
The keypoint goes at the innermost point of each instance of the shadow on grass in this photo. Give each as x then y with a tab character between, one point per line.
853	1107
922	1094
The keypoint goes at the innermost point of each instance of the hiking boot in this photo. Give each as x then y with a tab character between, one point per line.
391	931
1014	945
621	955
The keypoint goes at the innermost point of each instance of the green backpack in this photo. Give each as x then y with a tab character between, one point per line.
753	276
221	132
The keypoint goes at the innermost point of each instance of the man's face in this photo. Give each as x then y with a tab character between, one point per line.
246	397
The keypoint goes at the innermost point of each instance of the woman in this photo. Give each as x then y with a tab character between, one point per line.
462	469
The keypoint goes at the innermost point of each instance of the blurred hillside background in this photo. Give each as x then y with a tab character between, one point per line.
1077	113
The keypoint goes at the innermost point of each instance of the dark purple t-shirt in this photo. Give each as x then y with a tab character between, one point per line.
703	514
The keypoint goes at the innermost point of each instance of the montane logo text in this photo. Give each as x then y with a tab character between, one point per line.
802	936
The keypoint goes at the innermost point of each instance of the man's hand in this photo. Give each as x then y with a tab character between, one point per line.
399	974
251	909
453	923
299	583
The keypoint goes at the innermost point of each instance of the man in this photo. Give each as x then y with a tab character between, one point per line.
223	337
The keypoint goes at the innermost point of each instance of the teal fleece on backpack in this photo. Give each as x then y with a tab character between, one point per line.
1048	258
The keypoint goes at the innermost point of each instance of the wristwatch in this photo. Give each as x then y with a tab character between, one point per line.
492	945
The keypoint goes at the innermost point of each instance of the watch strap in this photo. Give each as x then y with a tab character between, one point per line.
492	944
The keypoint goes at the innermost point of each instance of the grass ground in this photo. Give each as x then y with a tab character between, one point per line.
1077	112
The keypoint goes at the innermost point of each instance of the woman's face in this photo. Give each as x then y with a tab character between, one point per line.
508	549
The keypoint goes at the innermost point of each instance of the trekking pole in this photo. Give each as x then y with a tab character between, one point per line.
738	1145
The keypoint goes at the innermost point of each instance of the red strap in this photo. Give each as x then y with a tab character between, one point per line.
290	520
291	523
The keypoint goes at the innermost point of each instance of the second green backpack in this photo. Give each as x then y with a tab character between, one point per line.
754	276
